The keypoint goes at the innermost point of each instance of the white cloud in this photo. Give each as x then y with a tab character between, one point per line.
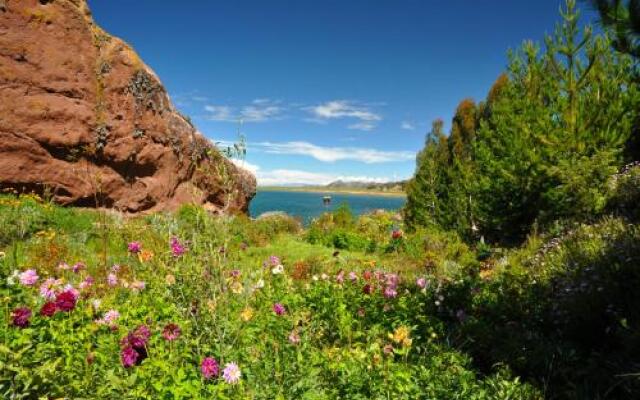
338	109
253	168
258	111
333	154
409	126
362	126
289	177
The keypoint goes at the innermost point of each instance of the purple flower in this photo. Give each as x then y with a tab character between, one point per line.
171	332
274	260
209	368
112	279
279	309
177	248
20	317
129	357
231	373
29	277
134	247
235	273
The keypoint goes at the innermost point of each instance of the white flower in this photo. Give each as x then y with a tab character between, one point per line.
11	280
259	284
96	304
278	269
324	276
315	278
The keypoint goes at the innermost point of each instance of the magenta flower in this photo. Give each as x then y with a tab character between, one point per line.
231	373
134	247
209	368
20	317
129	357
279	309
171	332
66	301
48	309
28	277
77	267
177	248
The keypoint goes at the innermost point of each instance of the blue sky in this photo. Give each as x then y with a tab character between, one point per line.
326	89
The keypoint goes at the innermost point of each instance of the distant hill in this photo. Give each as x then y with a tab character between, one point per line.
382	187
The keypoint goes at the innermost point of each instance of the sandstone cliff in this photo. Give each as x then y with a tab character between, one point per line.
82	117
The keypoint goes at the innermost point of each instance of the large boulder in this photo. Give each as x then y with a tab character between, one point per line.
84	119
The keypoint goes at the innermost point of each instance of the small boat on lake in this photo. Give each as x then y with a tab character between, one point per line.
326	200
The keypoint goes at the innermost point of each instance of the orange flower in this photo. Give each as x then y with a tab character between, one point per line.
145	255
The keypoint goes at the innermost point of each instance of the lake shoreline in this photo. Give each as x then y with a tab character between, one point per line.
330	191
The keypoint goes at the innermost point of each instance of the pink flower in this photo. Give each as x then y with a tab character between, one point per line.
20	317
65	301
112	280
110	317
421	282
29	277
294	338
63	266
353	277
115	268
129	357
48	288
231	373
209	368
171	332
138	285
390	292
87	283
177	248
274	260
279	309
134	247
340	277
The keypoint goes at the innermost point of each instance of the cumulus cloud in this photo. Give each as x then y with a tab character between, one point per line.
258	111
333	154
339	109
406	125
290	177
253	168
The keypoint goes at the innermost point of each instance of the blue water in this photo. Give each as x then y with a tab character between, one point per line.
308	205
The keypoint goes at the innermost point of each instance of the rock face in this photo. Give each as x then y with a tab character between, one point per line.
84	119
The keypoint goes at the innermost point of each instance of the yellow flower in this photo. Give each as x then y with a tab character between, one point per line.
246	314
401	335
170	279
2	255
211	305
236	287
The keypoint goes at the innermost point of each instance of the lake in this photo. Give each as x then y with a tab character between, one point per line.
308	205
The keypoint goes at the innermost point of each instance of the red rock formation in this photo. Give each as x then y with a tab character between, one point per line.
84	118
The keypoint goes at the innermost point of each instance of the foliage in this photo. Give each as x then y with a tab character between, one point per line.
542	146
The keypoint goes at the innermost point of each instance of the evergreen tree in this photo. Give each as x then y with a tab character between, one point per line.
623	19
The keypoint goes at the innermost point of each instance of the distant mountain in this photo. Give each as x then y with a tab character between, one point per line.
383	187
